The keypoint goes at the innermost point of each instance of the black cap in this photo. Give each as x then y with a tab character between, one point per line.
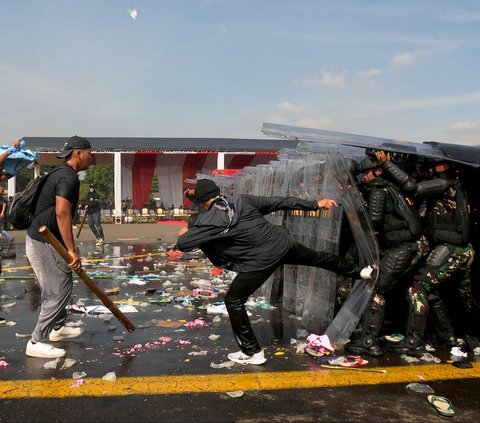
73	143
206	189
91	186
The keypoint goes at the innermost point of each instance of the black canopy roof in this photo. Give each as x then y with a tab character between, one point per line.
111	144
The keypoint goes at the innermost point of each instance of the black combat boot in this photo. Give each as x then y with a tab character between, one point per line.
413	343
443	325
372	321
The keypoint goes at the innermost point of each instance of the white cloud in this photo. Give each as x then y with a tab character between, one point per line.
466	125
367	78
402	60
326	78
369	73
299	114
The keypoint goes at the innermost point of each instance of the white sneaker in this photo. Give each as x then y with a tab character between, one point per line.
367	272
43	350
242	358
64	332
100	241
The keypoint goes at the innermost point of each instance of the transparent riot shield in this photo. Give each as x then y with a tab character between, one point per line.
272	289
348	316
294	223
322	232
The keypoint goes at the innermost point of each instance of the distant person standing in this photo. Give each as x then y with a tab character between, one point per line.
56	206
3	214
93	203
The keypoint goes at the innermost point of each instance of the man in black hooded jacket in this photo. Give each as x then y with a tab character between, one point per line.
233	234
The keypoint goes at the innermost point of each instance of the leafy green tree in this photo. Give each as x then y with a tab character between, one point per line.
102	176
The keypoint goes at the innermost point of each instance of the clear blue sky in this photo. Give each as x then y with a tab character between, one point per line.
220	68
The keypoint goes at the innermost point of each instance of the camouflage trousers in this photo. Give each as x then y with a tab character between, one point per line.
444	261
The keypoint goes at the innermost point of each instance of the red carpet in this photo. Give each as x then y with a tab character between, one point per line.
171	222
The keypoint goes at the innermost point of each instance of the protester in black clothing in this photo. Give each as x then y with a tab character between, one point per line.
234	234
92	202
55	208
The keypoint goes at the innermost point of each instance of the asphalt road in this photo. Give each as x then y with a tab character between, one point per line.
164	368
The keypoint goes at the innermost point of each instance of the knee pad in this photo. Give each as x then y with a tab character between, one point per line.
439	256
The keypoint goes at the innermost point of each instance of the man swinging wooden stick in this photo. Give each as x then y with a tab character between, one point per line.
55	209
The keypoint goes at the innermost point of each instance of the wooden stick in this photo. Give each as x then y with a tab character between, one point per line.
83	276
83	221
358	369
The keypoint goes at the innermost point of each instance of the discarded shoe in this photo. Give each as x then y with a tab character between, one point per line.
316	353
43	350
242	358
354	361
64	332
394	338
442	405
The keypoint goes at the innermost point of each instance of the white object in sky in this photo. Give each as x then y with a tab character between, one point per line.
132	12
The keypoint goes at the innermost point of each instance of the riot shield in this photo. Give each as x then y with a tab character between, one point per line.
348	316
322	232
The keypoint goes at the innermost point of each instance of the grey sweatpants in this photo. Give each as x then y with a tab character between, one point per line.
56	283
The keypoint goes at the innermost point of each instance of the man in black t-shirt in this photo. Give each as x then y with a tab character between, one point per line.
55	208
93	203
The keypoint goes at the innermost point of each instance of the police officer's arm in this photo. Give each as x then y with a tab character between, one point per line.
376	206
63	213
395	173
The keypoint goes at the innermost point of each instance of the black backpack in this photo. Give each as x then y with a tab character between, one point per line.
22	209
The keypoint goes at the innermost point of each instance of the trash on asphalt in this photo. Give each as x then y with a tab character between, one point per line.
420	388
429	358
214	337
409	358
110	376
457	352
69	362
51	364
78	375
225	364
77	383
235	394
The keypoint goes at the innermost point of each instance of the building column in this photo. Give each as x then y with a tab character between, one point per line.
221	161
117	186
36	171
12	186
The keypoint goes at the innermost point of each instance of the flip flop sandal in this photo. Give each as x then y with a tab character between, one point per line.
442	405
394	338
314	353
354	361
